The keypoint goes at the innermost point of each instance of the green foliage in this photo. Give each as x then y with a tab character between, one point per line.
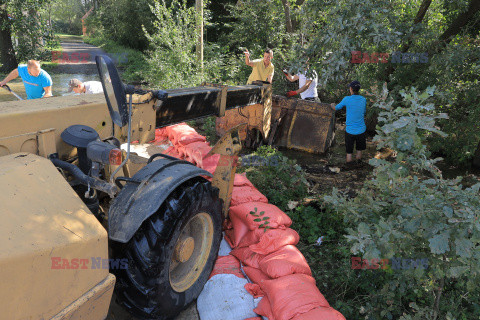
124	21
280	179
259	218
134	62
67	16
209	130
173	60
408	210
29	27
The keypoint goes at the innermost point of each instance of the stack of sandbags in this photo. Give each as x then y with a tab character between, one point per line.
279	274
187	145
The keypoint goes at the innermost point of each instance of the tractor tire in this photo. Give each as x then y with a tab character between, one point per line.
172	254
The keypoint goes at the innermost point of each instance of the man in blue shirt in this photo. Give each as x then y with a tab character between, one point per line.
356	106
37	82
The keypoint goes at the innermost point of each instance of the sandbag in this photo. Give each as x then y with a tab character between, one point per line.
247	194
241	180
176	131
277	218
227	265
224	297
265	242
160	135
189	137
247	256
293	295
255	290
255	275
196	151
210	163
264	309
181	150
321	313
236	234
285	261
172	152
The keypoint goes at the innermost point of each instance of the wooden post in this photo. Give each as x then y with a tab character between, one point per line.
199	9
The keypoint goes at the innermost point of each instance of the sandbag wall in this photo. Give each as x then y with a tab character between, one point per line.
255	260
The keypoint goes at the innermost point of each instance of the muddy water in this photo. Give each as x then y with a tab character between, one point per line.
60	85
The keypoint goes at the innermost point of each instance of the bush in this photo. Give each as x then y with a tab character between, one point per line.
280	179
130	60
408	210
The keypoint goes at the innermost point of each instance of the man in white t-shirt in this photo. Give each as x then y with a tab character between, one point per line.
307	85
88	87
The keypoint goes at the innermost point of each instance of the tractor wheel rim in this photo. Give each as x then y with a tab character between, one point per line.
191	252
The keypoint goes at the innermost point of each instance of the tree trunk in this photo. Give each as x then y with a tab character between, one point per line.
288	19
7	54
460	22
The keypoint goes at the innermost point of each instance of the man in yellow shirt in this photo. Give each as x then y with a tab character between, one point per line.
262	68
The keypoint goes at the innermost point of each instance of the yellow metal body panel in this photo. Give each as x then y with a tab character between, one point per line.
92	305
35	126
42	220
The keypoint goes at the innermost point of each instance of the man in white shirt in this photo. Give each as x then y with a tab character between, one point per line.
307	85
88	87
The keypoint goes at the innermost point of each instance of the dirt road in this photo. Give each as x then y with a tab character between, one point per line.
76	57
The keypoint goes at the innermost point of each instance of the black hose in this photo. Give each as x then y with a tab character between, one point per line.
84	179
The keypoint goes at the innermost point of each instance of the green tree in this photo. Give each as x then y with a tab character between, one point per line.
123	21
23	20
408	210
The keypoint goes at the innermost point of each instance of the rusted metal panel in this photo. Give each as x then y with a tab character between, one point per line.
302	125
257	116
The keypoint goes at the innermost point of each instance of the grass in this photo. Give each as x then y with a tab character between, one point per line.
131	60
69	37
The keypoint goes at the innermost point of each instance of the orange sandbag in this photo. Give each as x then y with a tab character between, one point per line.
241	180
227	265
265	242
255	275
247	194
265	309
252	236
176	131
321	313
293	295
196	151
277	218
285	261
247	256
210	163
254	290
235	235
161	134
172	152
181	151
189	137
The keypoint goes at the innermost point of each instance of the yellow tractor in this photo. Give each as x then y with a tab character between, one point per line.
82	215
